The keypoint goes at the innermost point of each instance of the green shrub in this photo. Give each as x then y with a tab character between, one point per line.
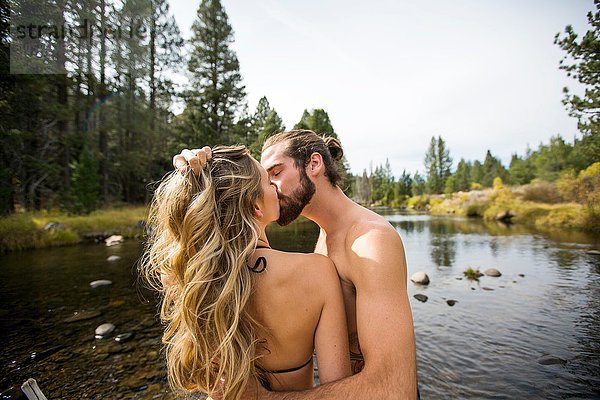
418	202
472	274
498	184
542	192
563	215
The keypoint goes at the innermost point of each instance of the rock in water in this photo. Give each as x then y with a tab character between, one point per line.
104	330
505	216
420	277
40	355
548	359
123	337
54	226
82	316
451	303
100	283
593	252
487	288
113	240
493	272
421	297
113	258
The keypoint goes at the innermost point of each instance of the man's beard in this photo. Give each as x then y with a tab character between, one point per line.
290	207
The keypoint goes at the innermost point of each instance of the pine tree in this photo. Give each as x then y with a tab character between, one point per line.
437	165
450	185
404	184
552	159
492	168
444	161
362	189
462	175
431	163
304	122
476	173
582	63
382	184
418	184
85	184
132	143
520	170
165	47
218	94
265	122
318	121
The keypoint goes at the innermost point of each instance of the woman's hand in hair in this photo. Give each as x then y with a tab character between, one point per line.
166	280
196	159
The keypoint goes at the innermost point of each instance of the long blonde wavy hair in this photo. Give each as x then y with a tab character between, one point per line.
203	234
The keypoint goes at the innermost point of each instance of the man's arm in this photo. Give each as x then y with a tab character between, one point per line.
331	335
385	326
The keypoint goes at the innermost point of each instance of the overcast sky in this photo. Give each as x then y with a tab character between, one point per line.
391	74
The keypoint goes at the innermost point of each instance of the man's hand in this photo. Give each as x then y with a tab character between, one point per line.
196	159
254	390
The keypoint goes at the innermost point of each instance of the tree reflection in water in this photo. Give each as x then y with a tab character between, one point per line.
442	242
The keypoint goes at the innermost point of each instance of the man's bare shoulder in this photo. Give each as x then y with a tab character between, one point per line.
372	232
376	246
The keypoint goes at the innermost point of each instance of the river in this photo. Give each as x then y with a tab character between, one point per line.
533	332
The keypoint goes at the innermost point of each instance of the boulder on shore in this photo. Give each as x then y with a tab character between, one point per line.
54	226
505	216
113	240
420	277
493	272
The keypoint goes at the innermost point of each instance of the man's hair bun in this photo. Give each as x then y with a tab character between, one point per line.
335	147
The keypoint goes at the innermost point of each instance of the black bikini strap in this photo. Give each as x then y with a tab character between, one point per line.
283	371
263	247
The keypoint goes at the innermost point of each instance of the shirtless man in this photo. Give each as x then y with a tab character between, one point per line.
368	254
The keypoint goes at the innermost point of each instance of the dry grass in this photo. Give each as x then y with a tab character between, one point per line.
26	230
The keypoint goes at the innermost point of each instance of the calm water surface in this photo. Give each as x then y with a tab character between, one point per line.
488	345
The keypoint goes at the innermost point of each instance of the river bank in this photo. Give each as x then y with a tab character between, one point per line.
531	205
30	230
509	205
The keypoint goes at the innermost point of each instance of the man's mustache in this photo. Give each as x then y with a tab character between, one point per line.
282	197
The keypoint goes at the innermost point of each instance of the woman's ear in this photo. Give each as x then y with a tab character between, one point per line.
258	212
